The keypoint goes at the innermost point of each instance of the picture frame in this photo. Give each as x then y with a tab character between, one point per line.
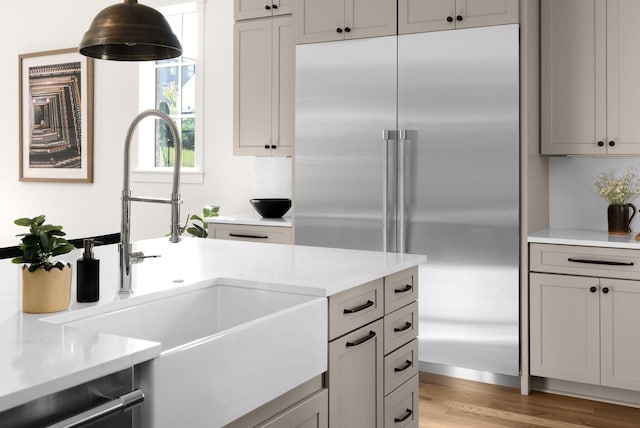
56	116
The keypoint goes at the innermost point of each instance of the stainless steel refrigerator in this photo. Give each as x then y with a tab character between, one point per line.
411	144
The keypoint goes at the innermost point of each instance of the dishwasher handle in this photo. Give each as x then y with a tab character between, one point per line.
117	405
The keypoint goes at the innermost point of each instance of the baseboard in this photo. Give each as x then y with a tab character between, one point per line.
590	392
470	374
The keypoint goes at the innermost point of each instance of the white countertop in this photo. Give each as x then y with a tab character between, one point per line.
252	219
589	238
39	358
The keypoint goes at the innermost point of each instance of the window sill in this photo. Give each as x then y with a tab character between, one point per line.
166	176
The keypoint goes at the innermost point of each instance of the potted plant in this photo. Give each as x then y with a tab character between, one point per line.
619	191
201	231
46	284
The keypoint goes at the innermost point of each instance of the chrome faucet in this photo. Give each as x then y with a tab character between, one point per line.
127	257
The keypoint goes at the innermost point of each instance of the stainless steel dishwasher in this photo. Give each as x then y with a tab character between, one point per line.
100	403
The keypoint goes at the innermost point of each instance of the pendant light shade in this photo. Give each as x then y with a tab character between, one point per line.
130	32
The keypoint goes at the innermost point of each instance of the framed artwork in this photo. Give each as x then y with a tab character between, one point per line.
56	116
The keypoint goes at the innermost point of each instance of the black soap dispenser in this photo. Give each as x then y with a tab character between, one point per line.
88	275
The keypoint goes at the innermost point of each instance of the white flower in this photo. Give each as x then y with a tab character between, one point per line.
618	190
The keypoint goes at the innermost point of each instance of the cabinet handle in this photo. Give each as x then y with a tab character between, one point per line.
459	17
359	308
404	416
593	289
338	30
267	146
360	341
267	7
405	327
605	290
274	6
242	235
449	19
347	29
600	143
403	367
612	143
599	262
273	146
406	288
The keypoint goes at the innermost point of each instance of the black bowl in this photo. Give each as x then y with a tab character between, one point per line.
271	207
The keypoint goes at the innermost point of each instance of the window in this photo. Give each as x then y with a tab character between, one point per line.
172	86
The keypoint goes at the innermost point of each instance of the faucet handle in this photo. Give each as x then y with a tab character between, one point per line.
181	229
138	257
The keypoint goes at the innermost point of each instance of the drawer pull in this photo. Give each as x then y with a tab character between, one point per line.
599	262
403	290
403	367
405	327
242	235
404	416
359	308
360	341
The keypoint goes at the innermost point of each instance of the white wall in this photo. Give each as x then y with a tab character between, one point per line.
573	199
93	209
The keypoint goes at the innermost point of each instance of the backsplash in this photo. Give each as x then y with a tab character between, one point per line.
271	177
573	199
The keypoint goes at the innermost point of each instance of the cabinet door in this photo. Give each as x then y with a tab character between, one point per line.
252	87
370	18
249	9
623	85
420	16
620	319
310	413
283	86
483	13
319	20
565	327
573	77
355	379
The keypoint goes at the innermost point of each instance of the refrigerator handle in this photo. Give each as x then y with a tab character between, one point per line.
387	135
401	182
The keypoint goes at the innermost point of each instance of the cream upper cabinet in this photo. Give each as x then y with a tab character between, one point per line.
418	16
590	94
264	63
248	9
331	20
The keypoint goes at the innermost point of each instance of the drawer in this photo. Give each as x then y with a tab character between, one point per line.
400	366
274	235
354	308
587	261
400	289
400	327
401	406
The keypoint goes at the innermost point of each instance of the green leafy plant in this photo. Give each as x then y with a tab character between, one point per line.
200	230
42	242
618	190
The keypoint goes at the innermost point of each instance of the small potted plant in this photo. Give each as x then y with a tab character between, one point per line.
619	191
198	230
46	284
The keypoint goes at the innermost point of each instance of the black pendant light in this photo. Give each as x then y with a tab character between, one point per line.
130	32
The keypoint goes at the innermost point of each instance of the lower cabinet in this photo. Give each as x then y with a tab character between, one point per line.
246	232
356	378
585	329
310	413
303	407
373	354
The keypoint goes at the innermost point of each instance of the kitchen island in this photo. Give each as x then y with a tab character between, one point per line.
40	358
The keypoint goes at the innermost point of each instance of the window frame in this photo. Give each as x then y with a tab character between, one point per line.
144	169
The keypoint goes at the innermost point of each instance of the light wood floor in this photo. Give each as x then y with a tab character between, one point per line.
454	403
